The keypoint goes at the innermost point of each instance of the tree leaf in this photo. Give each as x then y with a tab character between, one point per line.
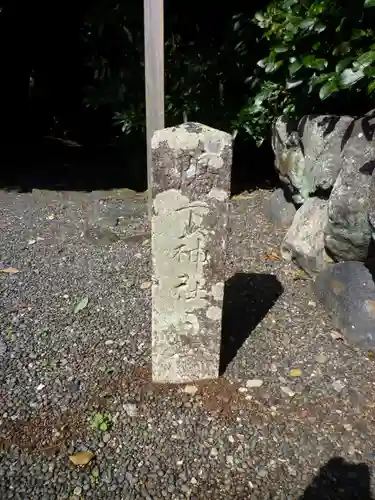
273	256
366	59
294	67
319	27
349	77
9	270
307	24
273	66
369	3
369	71
279	49
314	62
371	87
291	84
81	458
344	63
81	305
328	89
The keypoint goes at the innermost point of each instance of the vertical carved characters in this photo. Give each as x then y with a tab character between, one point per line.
191	179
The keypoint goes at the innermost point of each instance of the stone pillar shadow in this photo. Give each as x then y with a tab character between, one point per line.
247	299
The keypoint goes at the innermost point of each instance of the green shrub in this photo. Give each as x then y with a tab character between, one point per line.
321	58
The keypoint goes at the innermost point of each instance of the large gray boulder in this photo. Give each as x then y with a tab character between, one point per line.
348	232
371	210
347	291
304	241
308	155
322	138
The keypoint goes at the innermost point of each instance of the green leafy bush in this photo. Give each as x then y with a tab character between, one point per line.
321	58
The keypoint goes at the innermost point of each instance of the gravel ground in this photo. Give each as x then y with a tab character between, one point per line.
295	402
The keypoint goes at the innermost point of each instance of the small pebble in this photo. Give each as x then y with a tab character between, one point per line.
145	285
254	383
288	391
262	472
106	438
131	409
338	385
191	389
321	358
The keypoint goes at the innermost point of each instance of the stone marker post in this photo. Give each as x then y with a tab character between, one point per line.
191	168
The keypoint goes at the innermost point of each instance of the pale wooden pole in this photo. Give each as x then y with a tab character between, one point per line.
154	78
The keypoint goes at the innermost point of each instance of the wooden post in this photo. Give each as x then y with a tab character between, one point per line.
154	78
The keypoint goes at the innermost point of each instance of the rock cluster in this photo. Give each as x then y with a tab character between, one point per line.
327	204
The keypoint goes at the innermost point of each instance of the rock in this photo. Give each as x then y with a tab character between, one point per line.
322	138
288	391
262	472
145	285
279	210
371	211
191	174
338	385
347	291
321	358
253	383
106	438
308	154
191	389
348	232
289	159
304	241
131	409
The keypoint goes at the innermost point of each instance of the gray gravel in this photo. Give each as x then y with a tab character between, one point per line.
229	439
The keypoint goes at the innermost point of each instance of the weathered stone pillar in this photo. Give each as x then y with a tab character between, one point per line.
191	168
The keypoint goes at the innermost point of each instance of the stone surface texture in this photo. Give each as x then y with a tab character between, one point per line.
191	188
308	154
279	210
289	159
322	137
347	291
371	210
304	241
348	232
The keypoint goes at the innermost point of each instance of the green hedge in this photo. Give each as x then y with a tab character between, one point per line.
320	58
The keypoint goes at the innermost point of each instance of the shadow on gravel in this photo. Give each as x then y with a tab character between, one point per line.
340	480
247	299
